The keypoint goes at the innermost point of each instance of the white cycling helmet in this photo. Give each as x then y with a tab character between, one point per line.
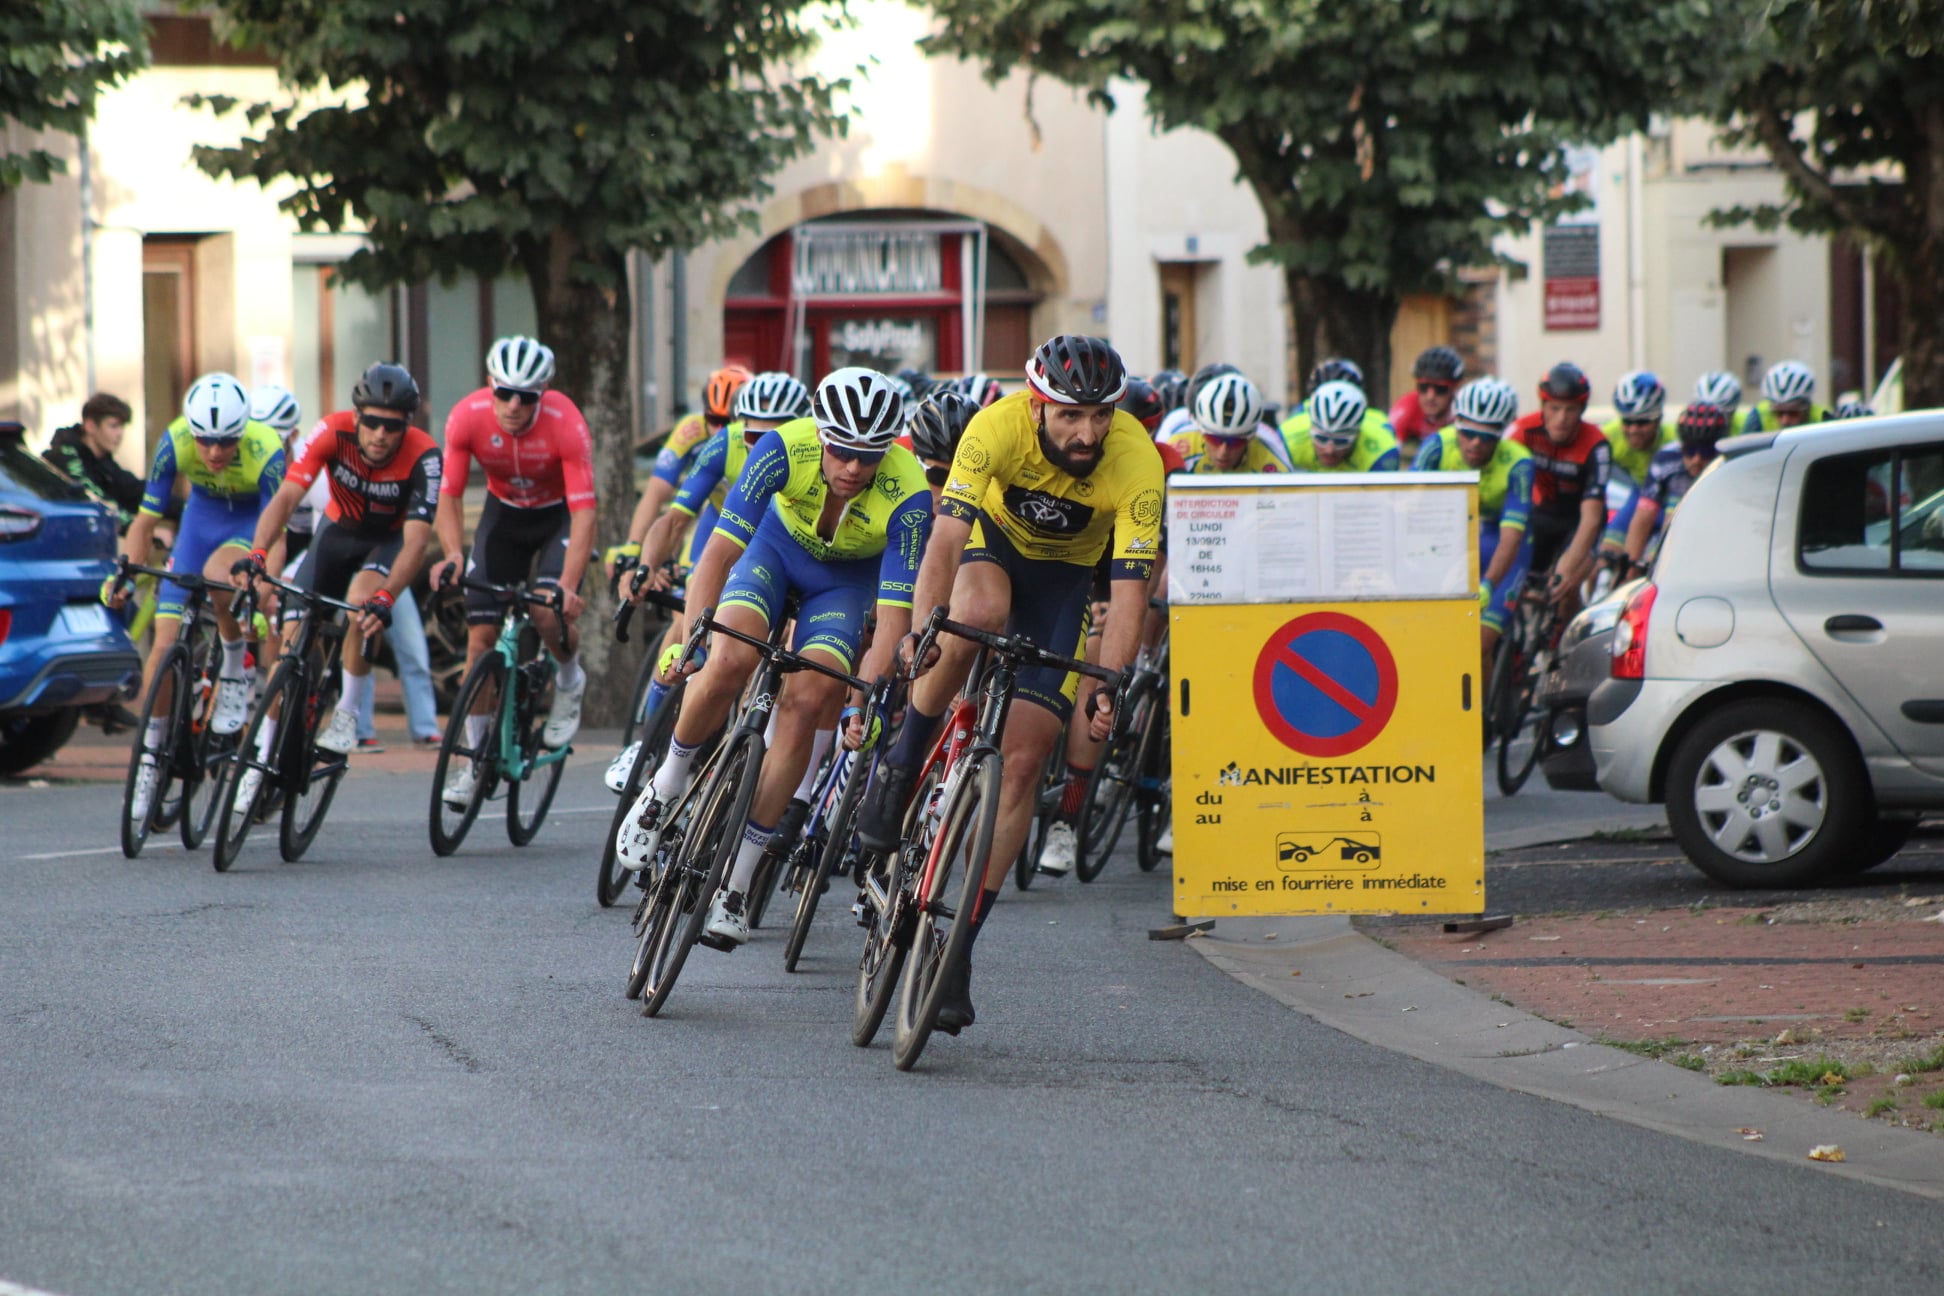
1336	410
520	362
276	407
1487	402
1228	406
774	397
217	407
1639	396
1718	388
858	409
1790	382
905	393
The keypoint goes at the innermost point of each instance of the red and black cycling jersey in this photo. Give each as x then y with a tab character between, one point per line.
368	500
1565	475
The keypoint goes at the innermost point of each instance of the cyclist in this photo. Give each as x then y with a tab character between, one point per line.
983	389
1336	431
1425	410
1171	385
534	447
1476	442
1043	483
276	408
1182	417
383	477
1788	392
1723	390
936	429
920	382
1227	413
234	465
1635	436
1571	461
833	511
678	452
1674	469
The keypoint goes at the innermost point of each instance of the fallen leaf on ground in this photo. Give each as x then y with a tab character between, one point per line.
1296	973
1542	938
1750	1134
1361	994
1826	1152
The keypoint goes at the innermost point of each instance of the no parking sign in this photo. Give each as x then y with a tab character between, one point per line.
1326	722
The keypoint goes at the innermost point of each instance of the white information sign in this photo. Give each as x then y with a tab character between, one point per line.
1299	538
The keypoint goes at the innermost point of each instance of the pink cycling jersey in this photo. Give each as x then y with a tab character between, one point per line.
551	461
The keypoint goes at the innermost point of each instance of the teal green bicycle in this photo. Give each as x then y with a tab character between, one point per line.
493	735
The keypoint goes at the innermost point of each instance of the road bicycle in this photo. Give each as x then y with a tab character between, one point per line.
949	828
1130	773
657	728
1525	653
509	748
186	764
637	719
278	756
706	822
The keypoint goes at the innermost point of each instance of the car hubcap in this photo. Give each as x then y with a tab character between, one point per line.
1761	796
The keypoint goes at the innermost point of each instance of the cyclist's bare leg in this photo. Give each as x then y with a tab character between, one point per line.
1082	752
218	569
712	692
563	645
363	586
1031	731
809	704
168	628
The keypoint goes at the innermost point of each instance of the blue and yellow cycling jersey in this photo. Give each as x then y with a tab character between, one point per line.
1375	451
246	485
783	485
1762	418
1625	456
1504	483
1193	447
713	474
678	451
1000	474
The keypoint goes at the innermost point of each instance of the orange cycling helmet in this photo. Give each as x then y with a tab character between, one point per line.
719	395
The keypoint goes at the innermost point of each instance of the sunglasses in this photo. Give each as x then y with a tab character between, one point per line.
938	474
1641	422
1479	434
1334	442
1427	388
210	443
865	457
1226	442
378	423
516	394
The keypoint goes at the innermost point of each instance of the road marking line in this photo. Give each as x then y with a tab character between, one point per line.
92	850
15	1289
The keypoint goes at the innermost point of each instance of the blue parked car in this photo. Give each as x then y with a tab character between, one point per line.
60	650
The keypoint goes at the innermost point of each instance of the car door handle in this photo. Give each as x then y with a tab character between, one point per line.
1851	623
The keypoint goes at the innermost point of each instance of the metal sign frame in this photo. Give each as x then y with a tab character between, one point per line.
972	278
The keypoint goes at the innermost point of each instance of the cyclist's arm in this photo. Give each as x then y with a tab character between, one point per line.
1430	454
1512	520
276	514
654	498
1641	529
1386	462
939	571
421	494
904	547
411	556
767	468
1578	556
580	548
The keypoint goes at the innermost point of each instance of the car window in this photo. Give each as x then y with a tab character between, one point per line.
25	474
1876	511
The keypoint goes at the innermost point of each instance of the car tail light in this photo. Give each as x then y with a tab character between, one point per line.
18	524
6	623
1630	636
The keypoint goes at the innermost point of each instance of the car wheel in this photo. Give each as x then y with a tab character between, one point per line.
1880	844
1768	793
27	740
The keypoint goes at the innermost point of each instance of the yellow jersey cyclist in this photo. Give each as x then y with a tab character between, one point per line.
1044	482
1222	439
1337	431
1788	400
1476	442
1637	433
678	451
234	466
829	509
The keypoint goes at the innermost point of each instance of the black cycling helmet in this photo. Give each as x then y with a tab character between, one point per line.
1439	364
1171	385
1072	369
940	422
919	381
1566	381
1143	402
1205	375
387	386
1701	426
1335	369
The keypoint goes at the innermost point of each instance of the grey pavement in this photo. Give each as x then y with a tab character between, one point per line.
380	1071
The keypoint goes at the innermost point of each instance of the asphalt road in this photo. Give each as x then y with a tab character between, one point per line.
380	1071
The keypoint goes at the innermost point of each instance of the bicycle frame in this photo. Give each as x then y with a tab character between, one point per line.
514	764
314	626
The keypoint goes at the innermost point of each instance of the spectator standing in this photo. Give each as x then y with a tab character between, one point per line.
86	452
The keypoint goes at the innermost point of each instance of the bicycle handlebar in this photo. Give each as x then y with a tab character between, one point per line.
636	576
1020	648
785	658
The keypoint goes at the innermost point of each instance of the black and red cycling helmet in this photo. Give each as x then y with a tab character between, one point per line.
1566	381
1073	369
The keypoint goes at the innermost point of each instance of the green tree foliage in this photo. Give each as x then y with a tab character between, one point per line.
1388	141
548	136
1847	97
56	56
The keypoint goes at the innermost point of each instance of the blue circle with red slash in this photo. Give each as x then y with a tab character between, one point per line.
1325	684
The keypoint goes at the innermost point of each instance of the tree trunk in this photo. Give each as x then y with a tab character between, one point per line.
588	327
1330	318
1922	343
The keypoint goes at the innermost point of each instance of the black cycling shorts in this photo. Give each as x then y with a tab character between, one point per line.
1551	533
511	545
1050	606
336	554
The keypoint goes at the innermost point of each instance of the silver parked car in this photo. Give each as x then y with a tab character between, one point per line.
1779	681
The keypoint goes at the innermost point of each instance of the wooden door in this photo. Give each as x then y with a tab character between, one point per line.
168	331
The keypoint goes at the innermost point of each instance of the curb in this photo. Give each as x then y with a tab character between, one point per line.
1324	969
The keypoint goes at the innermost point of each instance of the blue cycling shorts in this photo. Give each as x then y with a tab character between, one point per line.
1499	610
833	598
1622	498
207	525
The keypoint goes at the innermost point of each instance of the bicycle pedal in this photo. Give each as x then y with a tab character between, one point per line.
720	943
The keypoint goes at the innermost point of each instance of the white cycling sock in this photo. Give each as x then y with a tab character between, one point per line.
233	650
769	731
818	746
152	736
266	738
354	694
476	731
672	777
570	676
748	856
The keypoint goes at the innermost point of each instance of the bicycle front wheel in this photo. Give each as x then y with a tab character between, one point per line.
1154	805
833	844
887	937
707	848
236	812
171	678
206	753
452	818
948	897
1110	792
311	776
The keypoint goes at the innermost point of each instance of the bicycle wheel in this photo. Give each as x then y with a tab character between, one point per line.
1520	740
1052	786
1154	804
941	943
528	799
172	678
611	881
205	754
311	776
236	815
707	848
482	690
1110	794
833	844
887	937
638	716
